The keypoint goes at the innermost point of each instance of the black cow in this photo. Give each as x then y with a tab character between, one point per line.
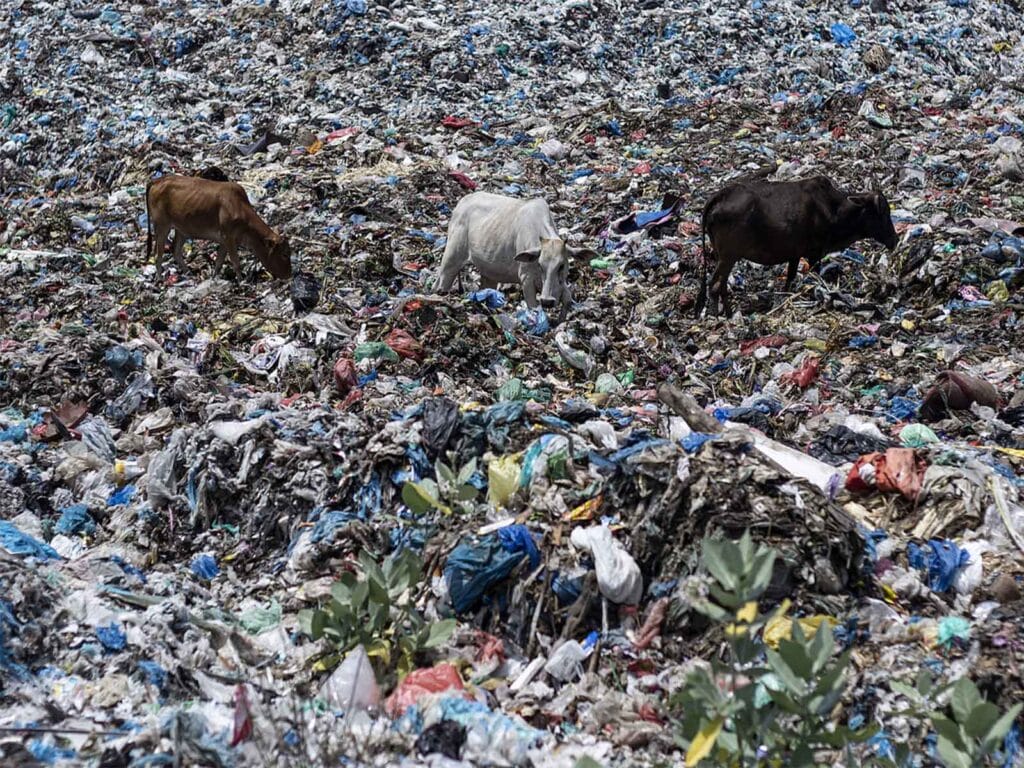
782	222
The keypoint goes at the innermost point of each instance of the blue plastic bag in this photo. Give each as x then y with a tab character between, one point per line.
489	296
155	674
943	563
121	496
842	34
860	342
112	637
693	441
328	524
517	538
75	519
535	321
18	543
123	361
476	565
205	567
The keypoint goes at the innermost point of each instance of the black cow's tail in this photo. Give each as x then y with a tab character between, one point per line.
702	295
149	226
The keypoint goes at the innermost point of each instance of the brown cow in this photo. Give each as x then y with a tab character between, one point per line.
211	210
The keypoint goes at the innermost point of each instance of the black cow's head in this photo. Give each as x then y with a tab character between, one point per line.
874	218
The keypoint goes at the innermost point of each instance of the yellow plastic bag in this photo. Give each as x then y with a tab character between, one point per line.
781	628
502	479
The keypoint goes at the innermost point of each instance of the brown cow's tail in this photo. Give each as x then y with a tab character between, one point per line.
149	226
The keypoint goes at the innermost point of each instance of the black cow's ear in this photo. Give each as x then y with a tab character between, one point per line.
861	200
880	203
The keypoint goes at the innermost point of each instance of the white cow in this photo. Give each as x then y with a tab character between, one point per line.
509	241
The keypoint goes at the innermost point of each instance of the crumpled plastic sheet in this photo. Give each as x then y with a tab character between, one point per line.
490	297
75	519
898	470
18	543
477	564
205	567
943	563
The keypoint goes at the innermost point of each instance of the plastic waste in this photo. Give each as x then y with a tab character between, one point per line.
917	436
305	292
898	470
491	298
18	543
566	662
475	566
205	567
943	563
419	683
502	479
618	575
75	519
353	684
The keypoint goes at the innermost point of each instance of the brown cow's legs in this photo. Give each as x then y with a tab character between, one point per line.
219	264
232	248
160	234
179	246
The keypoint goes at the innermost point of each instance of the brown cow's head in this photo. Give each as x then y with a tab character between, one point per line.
874	217
279	257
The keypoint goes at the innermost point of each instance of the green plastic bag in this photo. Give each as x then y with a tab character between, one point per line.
608	384
375	350
917	436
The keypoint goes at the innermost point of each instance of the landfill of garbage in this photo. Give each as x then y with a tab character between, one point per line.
188	464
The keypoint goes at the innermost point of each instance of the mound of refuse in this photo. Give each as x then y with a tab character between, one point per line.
346	518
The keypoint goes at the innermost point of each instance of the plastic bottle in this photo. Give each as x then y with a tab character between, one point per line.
566	663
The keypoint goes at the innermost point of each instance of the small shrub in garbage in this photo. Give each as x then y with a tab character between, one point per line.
376	610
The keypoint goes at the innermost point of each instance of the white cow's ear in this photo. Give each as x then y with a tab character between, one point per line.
526	257
582	253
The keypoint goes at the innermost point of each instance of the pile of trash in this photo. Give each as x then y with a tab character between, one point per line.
188	467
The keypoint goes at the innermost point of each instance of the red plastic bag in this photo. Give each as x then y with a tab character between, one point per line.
243	719
463	179
345	375
898	470
805	375
747	347
419	683
405	345
450	121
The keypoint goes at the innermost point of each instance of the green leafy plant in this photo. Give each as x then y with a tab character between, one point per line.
450	489
970	733
759	705
376	610
775	706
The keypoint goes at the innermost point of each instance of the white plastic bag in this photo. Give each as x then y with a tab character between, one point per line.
618	575
353	685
